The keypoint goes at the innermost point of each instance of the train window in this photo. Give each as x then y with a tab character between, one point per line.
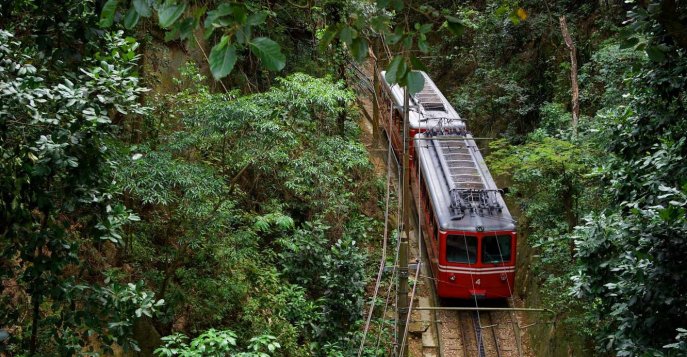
496	249
461	249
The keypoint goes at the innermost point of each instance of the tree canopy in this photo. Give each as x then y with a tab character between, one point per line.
188	178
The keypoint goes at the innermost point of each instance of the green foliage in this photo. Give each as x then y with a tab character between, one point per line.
604	76
210	343
630	253
551	184
222	58
626	289
492	96
269	52
241	214
355	24
237	22
216	343
344	283
57	160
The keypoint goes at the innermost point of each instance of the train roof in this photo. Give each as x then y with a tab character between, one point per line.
428	108
460	186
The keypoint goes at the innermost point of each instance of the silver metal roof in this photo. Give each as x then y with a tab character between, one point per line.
461	189
429	109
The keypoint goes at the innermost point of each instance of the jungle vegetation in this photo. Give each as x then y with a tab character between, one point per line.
185	178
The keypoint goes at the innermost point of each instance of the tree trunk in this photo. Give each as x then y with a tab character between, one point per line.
573	74
375	106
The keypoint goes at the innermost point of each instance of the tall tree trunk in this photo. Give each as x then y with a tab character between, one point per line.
573	74
375	105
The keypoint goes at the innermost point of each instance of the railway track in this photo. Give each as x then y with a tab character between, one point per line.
473	334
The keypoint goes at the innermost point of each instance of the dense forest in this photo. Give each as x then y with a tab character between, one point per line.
188	178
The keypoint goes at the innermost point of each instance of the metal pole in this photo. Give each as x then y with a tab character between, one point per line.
403	246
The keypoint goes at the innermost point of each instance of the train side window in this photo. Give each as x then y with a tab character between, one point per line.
461	249
496	249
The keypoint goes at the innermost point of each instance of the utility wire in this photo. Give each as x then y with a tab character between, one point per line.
382	261
410	310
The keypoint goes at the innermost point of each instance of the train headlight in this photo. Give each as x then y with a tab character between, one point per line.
503	277
452	277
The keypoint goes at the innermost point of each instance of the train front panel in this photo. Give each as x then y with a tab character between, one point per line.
475	265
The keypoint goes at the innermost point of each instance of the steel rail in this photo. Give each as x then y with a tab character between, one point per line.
493	333
479	336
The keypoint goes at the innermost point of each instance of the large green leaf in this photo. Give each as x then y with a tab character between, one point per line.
397	5
269	53
629	43
392	73
170	13
359	49
423	45
655	54
257	18
131	18
416	81
327	37
221	11
395	37
108	13
142	7
347	34
222	58
417	64
455	25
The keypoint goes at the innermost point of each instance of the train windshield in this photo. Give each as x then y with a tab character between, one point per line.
461	249
496	249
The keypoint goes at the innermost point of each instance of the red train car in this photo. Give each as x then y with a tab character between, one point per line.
469	233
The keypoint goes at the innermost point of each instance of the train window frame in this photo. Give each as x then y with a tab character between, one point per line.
501	260
471	257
